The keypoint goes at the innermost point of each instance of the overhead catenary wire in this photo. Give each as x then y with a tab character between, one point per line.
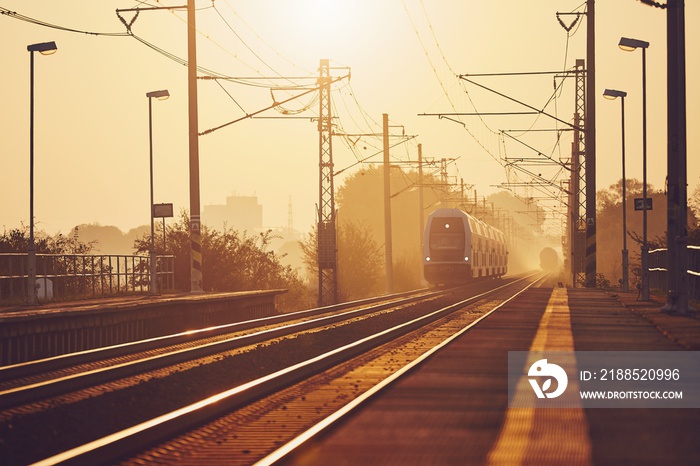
210	74
38	22
250	115
165	53
263	41
205	73
442	84
501	142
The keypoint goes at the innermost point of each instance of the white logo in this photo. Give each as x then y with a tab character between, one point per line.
542	368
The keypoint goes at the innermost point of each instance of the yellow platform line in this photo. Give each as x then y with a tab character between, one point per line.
545	435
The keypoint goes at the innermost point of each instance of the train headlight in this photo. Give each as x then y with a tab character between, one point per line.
466	259
427	259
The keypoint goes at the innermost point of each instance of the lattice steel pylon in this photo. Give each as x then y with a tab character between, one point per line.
577	206
326	234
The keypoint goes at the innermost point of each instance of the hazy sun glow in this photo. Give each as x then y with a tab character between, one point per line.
322	10
331	26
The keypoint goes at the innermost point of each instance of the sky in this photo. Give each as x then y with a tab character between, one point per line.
402	57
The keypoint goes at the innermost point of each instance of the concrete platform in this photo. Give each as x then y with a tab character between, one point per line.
454	409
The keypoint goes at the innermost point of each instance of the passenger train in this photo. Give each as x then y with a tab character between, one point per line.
458	247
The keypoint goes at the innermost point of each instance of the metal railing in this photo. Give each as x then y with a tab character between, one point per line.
69	276
658	260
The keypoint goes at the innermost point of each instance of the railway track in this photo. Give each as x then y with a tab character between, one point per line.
351	344
34	380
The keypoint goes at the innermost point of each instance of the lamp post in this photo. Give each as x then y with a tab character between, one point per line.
629	45
44	48
160	95
612	94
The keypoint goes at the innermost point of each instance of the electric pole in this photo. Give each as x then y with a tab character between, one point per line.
590	158
195	220
387	208
677	197
326	234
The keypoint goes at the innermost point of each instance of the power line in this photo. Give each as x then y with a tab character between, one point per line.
28	19
442	84
244	42
263	40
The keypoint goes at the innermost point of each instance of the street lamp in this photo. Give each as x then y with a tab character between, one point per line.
612	94
160	95
629	45
44	48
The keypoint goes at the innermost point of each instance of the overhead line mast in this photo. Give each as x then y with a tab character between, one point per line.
578	184
326	234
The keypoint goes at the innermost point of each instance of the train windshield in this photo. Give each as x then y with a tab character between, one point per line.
447	234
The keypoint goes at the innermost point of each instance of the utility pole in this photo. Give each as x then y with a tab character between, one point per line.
421	219
387	208
590	132
326	235
677	197
195	220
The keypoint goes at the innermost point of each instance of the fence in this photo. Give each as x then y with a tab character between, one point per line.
68	276
657	268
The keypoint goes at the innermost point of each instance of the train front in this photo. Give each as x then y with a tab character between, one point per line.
446	247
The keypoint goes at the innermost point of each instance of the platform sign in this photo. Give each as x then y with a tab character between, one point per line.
639	203
162	210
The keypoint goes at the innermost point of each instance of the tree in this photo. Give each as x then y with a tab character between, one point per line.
360	262
360	201
17	241
53	260
609	227
231	261
611	197
694	201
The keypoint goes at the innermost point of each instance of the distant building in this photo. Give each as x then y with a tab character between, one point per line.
239	213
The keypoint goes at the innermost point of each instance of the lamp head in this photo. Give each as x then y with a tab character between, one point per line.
612	94
160	95
44	48
629	45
